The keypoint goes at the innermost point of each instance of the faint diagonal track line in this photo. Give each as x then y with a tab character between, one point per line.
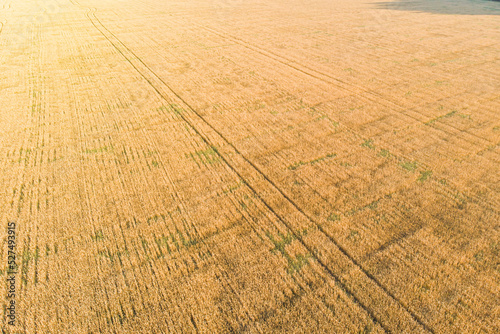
368	310
400	157
208	142
321	76
348	87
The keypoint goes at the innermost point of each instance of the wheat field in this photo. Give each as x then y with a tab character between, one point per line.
231	166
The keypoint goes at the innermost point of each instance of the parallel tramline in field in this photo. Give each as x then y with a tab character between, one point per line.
225	166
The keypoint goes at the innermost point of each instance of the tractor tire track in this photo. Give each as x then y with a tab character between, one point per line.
297	66
349	88
209	142
318	75
398	157
96	22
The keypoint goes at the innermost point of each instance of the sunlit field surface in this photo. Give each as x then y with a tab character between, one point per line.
231	166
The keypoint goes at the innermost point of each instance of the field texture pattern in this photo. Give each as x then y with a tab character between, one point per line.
230	166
